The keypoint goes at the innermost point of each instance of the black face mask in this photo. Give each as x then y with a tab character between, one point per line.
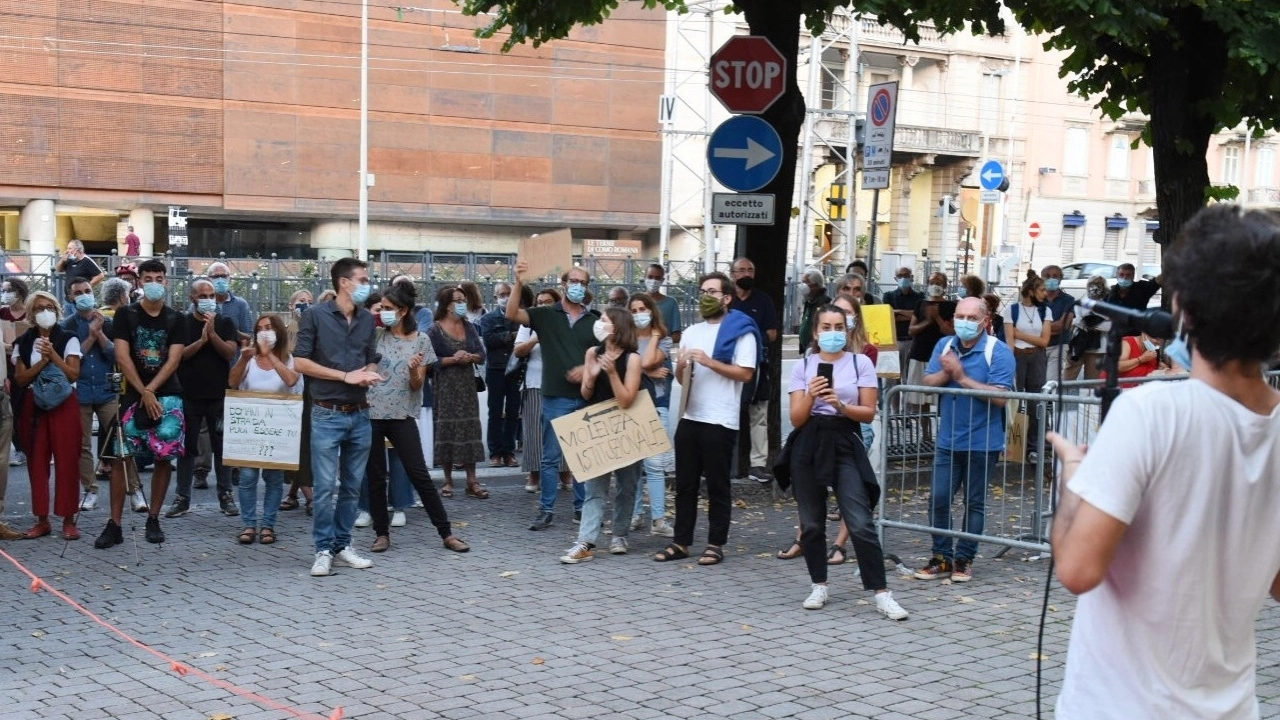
745	283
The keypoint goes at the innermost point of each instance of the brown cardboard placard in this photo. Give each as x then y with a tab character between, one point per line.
601	438
549	254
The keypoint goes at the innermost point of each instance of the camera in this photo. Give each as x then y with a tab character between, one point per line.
115	383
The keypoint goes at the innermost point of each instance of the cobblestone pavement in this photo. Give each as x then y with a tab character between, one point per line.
506	631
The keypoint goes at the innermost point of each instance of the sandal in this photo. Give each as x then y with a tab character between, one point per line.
791	553
711	556
247	537
477	492
289	503
446	491
835	551
266	536
671	552
456	545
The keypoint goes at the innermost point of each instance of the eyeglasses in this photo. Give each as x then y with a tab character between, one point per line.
745	271
710	291
223	276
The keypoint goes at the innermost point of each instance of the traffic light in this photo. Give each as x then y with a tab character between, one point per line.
836	202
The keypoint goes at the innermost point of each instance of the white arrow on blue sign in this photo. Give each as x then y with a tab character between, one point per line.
744	153
991	175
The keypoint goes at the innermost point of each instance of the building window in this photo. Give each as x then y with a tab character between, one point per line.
1069	245
1231	164
1111	244
1264	175
1076	159
989	104
1118	158
833	89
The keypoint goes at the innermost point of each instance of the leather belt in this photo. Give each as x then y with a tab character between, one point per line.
339	407
1027	351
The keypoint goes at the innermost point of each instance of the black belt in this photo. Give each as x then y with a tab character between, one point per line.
339	407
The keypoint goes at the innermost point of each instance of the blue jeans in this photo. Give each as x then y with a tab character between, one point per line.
273	490
549	471
597	490
952	470
337	438
655	480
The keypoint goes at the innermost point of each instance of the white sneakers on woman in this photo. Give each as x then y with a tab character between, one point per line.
885	604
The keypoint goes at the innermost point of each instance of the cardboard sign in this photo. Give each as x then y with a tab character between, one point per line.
881	329
685	379
261	430
549	254
11	330
601	438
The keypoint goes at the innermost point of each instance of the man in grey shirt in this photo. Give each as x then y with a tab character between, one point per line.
337	350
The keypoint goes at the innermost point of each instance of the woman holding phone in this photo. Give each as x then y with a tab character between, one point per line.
832	392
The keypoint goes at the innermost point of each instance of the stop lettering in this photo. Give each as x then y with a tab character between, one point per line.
748	74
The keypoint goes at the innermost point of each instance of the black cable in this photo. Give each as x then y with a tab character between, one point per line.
1063	348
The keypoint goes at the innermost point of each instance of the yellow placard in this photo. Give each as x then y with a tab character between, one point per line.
881	329
601	438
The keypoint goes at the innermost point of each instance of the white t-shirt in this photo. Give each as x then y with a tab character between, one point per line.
714	398
1170	631
1029	322
268	381
533	373
73	348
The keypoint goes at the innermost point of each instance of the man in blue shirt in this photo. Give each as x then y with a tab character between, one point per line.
1063	306
970	433
230	306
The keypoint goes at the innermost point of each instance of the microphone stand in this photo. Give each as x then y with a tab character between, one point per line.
1111	365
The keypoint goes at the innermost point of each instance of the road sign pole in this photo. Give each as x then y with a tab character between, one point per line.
871	244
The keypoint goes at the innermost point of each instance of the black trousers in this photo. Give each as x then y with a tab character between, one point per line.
703	450
854	500
403	435
198	414
504	412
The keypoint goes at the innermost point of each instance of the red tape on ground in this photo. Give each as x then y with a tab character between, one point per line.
181	670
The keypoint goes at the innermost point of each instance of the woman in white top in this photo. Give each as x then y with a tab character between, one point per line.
531	398
1027	327
267	367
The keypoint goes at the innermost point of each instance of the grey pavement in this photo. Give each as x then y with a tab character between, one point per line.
507	632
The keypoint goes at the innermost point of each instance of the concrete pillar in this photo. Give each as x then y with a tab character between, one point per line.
900	208
144	226
334	239
37	227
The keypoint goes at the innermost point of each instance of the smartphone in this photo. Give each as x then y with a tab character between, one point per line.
826	370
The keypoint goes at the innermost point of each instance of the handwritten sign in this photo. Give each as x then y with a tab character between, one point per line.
601	438
878	321
261	430
549	254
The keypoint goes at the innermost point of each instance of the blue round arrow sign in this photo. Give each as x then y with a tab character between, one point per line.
744	153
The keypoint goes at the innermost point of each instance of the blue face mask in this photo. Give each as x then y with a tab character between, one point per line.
361	293
968	330
1124	282
153	291
388	318
301	307
961	292
1052	284
460	309
84	303
904	283
1149	345
576	292
832	341
208	306
221	286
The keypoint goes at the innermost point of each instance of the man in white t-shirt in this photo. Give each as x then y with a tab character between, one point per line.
1167	527
722	354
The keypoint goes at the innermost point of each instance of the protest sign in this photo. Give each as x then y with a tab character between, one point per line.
261	430
601	438
549	254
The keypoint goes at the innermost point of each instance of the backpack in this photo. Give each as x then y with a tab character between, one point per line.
988	350
1041	308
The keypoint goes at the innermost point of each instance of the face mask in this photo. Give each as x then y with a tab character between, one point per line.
85	302
388	318
1052	284
501	299
709	306
153	291
602	329
1124	282
1149	345
851	322
968	330
642	319
961	293
652	284
904	283
746	284
361	293
1179	351
832	341
46	318
221	286
936	290
301	307
8	297
208	306
1095	292
267	337
460	309
576	293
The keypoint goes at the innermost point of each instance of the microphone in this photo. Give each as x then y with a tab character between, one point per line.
1152	321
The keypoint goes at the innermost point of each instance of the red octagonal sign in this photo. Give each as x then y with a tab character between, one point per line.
748	74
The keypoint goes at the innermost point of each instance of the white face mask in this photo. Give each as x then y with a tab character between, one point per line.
7	297
652	284
46	318
851	322
936	290
267	337
602	330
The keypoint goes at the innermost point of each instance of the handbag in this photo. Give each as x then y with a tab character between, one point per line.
480	386
51	387
516	368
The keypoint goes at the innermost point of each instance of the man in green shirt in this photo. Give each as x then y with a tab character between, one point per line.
565	332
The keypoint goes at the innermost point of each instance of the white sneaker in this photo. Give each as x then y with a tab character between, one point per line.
661	528
17	458
139	502
90	501
817	599
398	519
364	519
347	556
637	522
322	565
618	546
530	486
580	552
889	607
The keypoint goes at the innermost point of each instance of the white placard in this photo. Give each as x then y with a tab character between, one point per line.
742	208
261	430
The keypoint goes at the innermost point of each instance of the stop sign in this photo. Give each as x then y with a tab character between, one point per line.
1034	230
748	74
